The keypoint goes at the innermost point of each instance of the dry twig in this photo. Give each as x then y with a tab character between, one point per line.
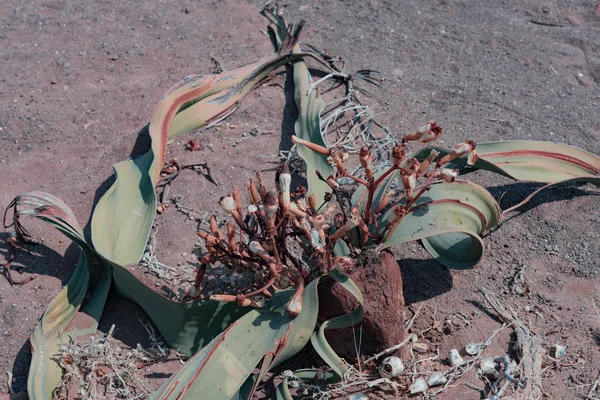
528	347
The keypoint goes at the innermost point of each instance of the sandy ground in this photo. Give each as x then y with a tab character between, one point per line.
78	81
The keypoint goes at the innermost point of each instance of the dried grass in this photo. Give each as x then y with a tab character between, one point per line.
103	368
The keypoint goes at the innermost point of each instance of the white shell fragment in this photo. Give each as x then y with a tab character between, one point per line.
559	351
488	367
391	367
418	386
473	348
437	378
284	282
420	347
359	397
455	358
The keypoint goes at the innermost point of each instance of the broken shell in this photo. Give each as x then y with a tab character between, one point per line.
235	279
259	303
256	248
473	348
559	351
448	174
284	282
359	397
455	358
418	386
488	367
316	240
437	378
420	347
391	367
228	203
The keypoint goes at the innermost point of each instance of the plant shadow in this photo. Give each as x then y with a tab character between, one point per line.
423	279
20	368
37	259
513	193
132	324
290	112
142	145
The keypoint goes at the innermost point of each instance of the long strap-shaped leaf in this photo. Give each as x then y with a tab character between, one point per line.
320	344
52	329
529	161
449	219
308	125
123	217
319	340
122	220
220	369
184	326
310	376
539	161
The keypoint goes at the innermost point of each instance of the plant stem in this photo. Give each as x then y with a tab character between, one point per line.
371	190
262	289
357	179
423	190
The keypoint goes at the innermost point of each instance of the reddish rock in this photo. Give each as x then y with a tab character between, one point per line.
380	281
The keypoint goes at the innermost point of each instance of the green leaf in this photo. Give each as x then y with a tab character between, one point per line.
524	160
123	217
186	327
539	161
282	392
219	370
51	331
449	219
319	340
303	325
308	125
308	376
529	161
595	180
